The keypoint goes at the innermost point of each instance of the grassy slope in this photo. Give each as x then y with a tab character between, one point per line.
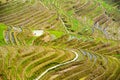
2	28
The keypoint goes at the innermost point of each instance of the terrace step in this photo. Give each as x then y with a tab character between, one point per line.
22	56
8	4
14	10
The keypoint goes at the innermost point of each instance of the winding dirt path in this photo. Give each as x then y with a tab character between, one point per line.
51	68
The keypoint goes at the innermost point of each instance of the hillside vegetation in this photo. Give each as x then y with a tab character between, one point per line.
59	40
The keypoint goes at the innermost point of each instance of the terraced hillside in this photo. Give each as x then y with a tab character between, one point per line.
59	40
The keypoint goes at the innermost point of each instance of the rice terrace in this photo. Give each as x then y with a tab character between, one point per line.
59	39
